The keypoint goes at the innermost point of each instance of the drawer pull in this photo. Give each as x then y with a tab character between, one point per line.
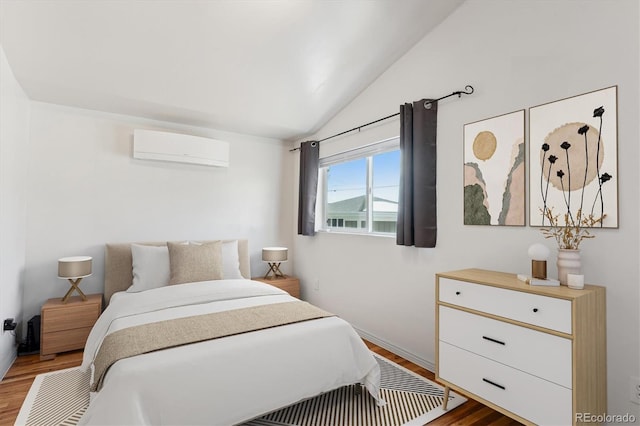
493	340
494	384
535	309
457	293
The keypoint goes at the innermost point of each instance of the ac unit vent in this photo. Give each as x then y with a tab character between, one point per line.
175	147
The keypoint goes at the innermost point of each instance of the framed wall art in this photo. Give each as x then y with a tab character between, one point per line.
494	171
573	161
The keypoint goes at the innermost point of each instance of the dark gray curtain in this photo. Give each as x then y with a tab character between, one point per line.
309	158
417	224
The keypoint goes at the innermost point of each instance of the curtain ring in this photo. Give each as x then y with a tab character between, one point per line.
313	144
427	105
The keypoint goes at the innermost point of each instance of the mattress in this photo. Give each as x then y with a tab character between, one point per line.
228	380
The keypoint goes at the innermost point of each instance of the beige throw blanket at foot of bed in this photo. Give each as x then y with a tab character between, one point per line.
155	336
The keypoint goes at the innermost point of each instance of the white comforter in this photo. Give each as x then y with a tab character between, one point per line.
224	381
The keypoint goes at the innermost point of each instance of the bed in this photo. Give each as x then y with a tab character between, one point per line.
226	379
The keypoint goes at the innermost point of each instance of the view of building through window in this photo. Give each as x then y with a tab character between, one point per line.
362	194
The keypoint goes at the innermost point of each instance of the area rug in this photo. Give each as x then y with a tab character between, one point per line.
61	397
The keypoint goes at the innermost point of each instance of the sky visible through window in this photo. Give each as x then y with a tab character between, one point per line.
349	180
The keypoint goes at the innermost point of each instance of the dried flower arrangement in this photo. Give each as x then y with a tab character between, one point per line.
576	226
574	230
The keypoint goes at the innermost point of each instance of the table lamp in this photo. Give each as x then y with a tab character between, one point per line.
274	256
539	254
74	269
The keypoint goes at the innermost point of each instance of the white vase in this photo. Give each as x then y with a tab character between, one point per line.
568	263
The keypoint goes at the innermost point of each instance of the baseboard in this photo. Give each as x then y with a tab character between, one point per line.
397	350
4	369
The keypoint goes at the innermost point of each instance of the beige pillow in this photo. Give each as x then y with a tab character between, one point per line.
191	263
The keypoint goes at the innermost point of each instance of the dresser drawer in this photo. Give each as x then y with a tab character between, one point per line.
527	396
70	316
548	312
534	352
62	341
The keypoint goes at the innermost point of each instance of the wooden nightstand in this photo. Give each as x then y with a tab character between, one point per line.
289	284
66	326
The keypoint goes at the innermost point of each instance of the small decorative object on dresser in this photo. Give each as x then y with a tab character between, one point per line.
74	269
568	262
539	254
575	281
289	284
65	326
500	341
274	256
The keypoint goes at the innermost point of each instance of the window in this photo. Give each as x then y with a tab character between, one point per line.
358	189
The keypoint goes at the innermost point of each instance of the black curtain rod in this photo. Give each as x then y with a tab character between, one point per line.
468	89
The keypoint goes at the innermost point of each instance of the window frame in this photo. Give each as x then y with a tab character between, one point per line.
367	152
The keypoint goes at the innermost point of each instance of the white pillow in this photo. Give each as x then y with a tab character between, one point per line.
230	260
150	267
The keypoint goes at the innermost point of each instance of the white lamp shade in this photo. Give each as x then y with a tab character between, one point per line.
74	267
274	254
538	252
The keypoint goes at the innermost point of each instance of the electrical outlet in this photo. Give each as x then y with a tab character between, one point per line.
634	389
9	325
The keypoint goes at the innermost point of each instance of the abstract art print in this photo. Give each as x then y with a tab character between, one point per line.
573	161
494	171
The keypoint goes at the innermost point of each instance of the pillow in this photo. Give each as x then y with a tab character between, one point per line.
230	260
192	263
150	267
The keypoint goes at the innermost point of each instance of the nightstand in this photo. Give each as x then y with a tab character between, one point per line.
66	326
289	284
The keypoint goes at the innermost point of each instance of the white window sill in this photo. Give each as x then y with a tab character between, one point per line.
362	234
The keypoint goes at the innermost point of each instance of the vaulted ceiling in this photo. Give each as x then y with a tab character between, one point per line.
273	68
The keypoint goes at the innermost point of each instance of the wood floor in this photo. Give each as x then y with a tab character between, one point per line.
16	383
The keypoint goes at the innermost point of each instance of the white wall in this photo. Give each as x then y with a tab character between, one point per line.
84	189
14	137
517	54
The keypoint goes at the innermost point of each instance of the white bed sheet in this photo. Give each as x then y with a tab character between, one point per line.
224	381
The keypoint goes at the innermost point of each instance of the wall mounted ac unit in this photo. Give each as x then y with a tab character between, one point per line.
165	146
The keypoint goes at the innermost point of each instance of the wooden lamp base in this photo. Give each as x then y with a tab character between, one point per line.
74	287
274	267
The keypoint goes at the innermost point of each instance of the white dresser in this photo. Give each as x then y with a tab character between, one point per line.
536	354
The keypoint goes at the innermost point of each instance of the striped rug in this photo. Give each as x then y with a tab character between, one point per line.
57	398
61	397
